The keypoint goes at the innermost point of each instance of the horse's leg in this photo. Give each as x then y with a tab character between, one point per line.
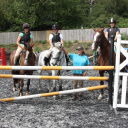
14	86
60	85
101	83
18	84
54	81
21	83
21	87
28	83
39	73
49	89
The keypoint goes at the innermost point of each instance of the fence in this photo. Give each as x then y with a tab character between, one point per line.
11	37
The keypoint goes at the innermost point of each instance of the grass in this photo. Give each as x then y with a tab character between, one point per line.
75	41
38	49
67	44
86	47
89	44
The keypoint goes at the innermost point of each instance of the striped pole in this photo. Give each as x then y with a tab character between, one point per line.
56	67
53	77
55	93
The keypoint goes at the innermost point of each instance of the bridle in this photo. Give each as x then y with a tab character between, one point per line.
58	58
101	40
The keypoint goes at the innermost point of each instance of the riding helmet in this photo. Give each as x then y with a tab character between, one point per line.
112	20
26	25
55	26
80	48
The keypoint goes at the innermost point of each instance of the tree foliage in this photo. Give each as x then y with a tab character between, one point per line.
68	14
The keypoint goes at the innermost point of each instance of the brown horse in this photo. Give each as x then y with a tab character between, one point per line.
27	58
99	40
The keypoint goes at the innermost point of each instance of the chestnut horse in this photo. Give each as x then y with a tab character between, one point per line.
99	40
27	58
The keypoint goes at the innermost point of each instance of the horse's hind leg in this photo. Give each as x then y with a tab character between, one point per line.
14	86
39	73
21	87
28	83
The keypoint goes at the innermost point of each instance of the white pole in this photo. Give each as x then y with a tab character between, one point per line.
116	80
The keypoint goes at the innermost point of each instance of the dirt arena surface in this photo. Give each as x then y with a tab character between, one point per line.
60	113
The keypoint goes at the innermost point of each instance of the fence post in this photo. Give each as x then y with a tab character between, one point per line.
111	71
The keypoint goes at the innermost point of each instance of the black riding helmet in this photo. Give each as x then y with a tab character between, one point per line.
55	26
26	25
112	20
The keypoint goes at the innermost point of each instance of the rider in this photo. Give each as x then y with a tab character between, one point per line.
53	38
113	30
24	36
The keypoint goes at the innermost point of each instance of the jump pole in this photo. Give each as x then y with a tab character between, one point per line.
56	67
54	93
53	77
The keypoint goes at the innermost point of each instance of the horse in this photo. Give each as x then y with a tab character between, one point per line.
57	59
27	58
99	40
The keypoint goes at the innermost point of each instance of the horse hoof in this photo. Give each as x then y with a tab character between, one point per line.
21	94
27	93
54	89
120	90
14	89
100	97
54	97
60	88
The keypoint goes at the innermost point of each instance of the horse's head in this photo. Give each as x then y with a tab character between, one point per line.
28	50
97	38
58	45
56	52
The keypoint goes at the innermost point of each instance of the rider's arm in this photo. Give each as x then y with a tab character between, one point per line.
50	41
62	42
106	34
118	32
17	42
31	41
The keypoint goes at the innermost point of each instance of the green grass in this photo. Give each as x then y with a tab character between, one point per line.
89	44
86	47
75	41
67	43
2	45
38	49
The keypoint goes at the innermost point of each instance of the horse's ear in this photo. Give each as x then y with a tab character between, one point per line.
94	29
103	29
32	45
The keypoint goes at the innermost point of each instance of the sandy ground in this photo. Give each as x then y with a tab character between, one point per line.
60	113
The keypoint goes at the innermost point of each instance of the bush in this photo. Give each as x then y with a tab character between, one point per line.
67	43
76	41
37	49
124	36
89	44
86	48
44	42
